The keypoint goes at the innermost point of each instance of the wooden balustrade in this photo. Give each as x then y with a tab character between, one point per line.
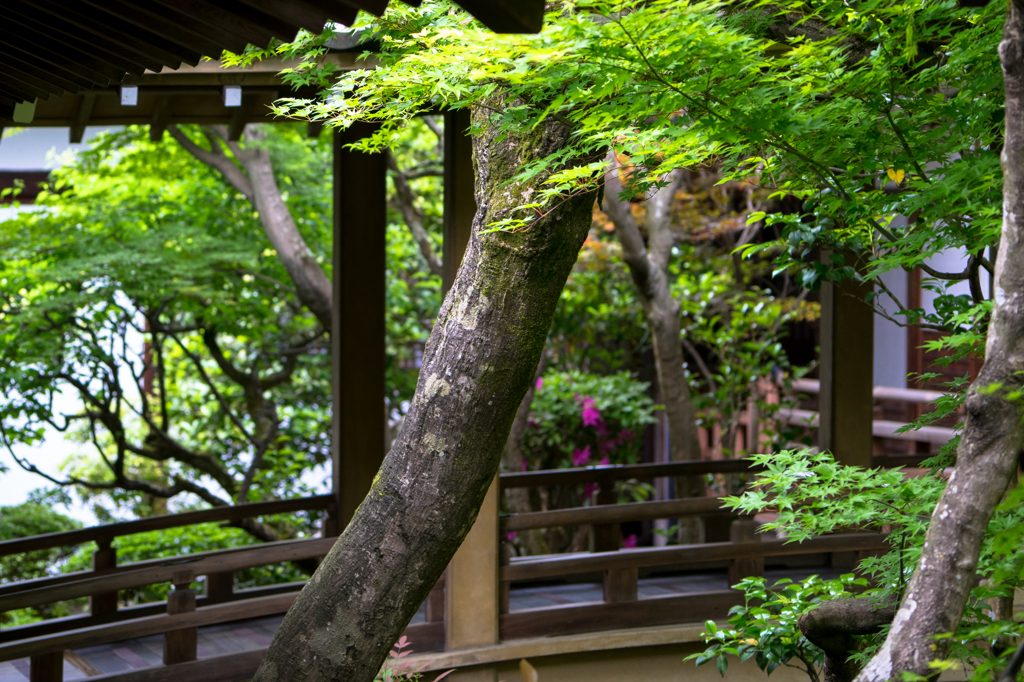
185	611
108	532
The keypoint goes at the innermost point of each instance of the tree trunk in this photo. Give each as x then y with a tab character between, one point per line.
648	266
987	458
477	366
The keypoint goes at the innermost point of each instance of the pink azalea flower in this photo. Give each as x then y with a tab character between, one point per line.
512	536
629	542
607	446
540	382
625	435
604	461
591	415
524	464
589	489
580	457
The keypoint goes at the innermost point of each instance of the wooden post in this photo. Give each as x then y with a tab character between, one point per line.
357	322
744	530
435	602
619	584
105	557
47	667
220	587
181	645
472	594
847	372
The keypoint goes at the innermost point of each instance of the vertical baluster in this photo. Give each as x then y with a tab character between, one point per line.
744	530
181	645
47	667
620	584
103	559
435	602
220	586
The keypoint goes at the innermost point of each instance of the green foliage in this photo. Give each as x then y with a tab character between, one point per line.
765	627
814	495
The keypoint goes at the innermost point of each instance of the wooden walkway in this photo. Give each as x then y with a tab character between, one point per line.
257	633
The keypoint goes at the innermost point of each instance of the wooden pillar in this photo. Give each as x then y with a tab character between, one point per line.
357	322
105	557
181	646
847	372
472	593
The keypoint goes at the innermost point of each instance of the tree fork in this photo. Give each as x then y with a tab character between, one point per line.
994	430
477	365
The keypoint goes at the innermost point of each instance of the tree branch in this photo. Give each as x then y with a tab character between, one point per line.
411	214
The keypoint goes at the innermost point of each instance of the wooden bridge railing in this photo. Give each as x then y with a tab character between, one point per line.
184	611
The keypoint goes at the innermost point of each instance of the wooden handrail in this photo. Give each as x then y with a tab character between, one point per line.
148	625
595	474
112	530
893	393
198	564
549	567
615	513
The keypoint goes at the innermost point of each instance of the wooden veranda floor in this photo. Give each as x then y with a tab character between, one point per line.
257	633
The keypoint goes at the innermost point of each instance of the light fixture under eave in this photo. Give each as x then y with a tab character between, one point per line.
232	95
129	95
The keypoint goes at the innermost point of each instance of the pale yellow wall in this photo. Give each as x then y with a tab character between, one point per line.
641	664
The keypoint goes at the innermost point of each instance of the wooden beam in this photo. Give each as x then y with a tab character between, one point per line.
73	48
507	16
69	81
532	479
210	562
123	34
357	327
243	26
47	667
304	14
646	557
61	30
23	51
615	513
594	617
161	117
216	514
77	130
58	53
846	409
150	625
170	25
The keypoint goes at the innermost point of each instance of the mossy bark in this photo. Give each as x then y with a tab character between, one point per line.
477	365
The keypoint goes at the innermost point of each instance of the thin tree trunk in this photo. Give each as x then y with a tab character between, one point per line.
258	184
987	458
648	266
477	366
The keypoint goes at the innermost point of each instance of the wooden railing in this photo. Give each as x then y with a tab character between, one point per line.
184	611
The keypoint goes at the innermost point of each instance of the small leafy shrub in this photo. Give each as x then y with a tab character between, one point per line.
765	627
580	419
397	670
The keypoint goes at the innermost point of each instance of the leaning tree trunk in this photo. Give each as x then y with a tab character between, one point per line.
994	430
648	265
477	365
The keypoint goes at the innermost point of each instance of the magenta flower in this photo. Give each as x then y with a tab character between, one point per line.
540	382
524	464
591	415
589	489
604	461
512	536
580	457
629	542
